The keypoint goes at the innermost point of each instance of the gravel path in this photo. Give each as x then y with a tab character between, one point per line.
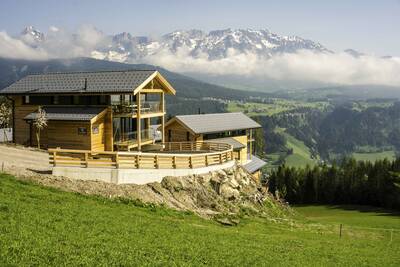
20	159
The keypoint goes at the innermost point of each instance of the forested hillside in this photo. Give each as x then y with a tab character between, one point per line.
337	131
349	182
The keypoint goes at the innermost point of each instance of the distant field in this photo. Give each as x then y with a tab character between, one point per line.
268	109
351	215
390	155
41	226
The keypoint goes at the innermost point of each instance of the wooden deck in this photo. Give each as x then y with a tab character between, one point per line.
178	155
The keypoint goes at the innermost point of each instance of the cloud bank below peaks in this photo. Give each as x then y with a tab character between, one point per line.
303	65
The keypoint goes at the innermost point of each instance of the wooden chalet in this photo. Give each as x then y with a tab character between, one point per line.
235	129
96	111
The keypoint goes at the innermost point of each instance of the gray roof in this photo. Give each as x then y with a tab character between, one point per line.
217	122
68	114
80	82
228	140
254	164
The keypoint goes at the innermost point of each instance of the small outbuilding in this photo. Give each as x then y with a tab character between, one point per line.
235	129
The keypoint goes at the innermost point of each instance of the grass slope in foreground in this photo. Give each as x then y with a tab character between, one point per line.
43	226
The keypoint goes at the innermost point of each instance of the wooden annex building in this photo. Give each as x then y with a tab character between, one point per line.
235	129
98	111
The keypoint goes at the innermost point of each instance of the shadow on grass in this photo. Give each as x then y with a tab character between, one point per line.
361	208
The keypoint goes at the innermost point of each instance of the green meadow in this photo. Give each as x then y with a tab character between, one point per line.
44	226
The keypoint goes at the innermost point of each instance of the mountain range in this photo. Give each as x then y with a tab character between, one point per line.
217	44
245	59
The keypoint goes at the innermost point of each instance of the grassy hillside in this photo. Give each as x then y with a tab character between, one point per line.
301	153
276	106
390	155
299	156
42	226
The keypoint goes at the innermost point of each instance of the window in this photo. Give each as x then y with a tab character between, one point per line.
115	99
26	99
82	131
56	100
64	100
75	100
103	100
95	129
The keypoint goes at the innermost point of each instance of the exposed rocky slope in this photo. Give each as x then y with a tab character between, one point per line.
224	194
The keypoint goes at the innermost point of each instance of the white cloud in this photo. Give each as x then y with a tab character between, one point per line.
14	48
54	29
338	68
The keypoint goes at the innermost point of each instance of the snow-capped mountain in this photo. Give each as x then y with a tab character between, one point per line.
32	36
217	44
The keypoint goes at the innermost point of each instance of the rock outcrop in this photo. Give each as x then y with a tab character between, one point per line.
224	195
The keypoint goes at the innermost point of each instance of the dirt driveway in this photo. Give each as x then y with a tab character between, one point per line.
20	160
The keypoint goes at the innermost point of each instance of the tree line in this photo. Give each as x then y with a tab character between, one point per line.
346	182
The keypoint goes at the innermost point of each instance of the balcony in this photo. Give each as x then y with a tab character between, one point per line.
131	110
129	140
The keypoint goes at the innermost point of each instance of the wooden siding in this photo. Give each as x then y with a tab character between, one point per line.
97	135
21	129
108	131
64	134
178	133
243	152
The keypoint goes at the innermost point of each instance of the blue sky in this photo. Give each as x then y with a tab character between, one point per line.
367	26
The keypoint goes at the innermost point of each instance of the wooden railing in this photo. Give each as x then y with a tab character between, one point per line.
185	155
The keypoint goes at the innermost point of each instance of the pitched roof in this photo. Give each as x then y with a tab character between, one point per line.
84	82
227	140
217	122
68	114
254	164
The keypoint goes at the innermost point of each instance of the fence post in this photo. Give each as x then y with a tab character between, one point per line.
206	160
54	158
2	166
174	162
156	161
117	161
190	162
340	231
137	161
220	158
86	159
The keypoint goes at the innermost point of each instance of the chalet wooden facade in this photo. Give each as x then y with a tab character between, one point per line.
235	129
112	120
97	111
